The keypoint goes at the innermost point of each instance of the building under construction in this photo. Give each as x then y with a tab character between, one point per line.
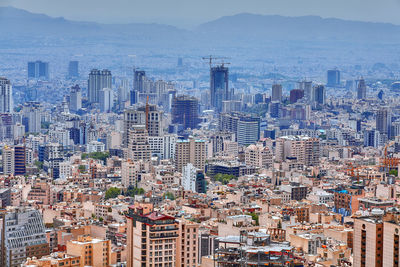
253	249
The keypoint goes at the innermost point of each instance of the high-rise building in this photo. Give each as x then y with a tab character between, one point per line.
306	86
129	173
219	86
193	179
248	131
151	239
8	160
295	95
185	111
368	242
138	144
106	99
138	117
258	156
383	121
23	236
155	239
138	80
190	151
98	80
371	138
361	89
31	117
319	94
305	149
6	98
75	99
19	160
391	242
333	78
52	158
276	92
6	126
38	70
73	69
230	122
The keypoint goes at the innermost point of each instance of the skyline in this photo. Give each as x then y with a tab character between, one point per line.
188	14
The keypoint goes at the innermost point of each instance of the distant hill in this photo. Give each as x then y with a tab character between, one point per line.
20	28
306	28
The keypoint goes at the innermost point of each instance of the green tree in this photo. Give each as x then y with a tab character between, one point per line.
169	195
255	217
393	172
224	178
39	164
112	192
133	191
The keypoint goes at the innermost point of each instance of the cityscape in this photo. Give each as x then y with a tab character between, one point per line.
230	140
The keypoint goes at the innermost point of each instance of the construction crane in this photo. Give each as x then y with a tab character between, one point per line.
211	58
389	162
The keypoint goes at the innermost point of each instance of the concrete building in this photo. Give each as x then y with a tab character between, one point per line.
361	89
258	156
129	173
106	99
138	145
8	160
23	236
75	99
31	117
190	151
92	251
6	97
305	149
98	80
276	94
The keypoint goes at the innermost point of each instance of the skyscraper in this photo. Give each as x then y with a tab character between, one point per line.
190	151
361	89
276	92
138	80
306	86
38	70
31	117
185	111
73	69
98	80
75	99
295	95
6	99
106	99
19	160
319	94
139	148
219	86
333	78
383	121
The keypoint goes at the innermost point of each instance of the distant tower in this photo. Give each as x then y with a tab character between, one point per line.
319	94
73	69
75	99
383	121
38	70
333	78
98	80
106	100
361	89
219	86
185	111
276	92
306	86
6	99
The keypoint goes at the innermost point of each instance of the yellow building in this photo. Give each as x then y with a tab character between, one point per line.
92	252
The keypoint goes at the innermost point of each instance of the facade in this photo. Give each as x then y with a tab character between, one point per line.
151	239
305	149
75	99
276	92
361	89
92	251
106	99
245	127
73	69
8	158
185	111
319	94
38	70
219	86
138	117
333	78
6	97
31	117
190	151
19	160
98	80
295	95
383	121
138	147
193	179
22	236
129	173
258	156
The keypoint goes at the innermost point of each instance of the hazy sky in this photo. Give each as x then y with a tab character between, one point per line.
192	12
